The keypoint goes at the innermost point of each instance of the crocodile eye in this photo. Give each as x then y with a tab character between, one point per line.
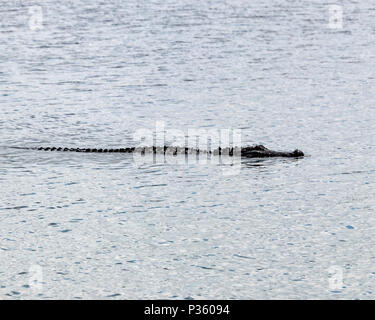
298	153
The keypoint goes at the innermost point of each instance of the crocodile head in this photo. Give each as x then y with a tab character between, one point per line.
297	153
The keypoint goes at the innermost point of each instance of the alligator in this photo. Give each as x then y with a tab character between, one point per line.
257	151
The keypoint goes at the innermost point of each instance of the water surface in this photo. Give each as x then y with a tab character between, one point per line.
99	226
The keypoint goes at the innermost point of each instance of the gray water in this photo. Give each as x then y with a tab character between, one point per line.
76	225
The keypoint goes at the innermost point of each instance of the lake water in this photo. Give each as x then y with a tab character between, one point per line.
92	73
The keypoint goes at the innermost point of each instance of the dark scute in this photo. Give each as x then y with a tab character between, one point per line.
260	147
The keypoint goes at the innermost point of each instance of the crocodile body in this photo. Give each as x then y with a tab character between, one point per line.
257	151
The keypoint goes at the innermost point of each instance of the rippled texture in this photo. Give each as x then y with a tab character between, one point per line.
101	226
